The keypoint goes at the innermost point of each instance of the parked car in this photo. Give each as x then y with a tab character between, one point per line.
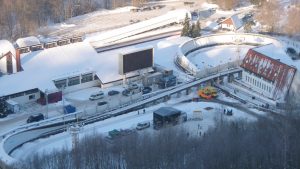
291	51
167	81
113	92
133	86
126	92
101	103
2	115
98	95
146	90
142	125
35	118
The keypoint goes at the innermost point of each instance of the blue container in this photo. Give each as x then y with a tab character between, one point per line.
69	109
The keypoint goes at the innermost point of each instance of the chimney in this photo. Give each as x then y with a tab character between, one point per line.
18	60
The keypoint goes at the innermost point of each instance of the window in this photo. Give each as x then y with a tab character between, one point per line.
61	83
87	78
74	81
31	97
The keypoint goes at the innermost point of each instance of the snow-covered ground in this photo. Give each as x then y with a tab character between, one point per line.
130	120
217	55
103	20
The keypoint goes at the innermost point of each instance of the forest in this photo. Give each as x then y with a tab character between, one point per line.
21	18
263	144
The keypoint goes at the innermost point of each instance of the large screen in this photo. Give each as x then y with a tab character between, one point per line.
135	61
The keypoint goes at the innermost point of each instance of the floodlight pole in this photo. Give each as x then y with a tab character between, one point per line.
124	80
46	94
63	100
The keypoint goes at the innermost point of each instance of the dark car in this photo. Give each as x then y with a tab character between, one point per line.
113	92
126	92
133	86
146	90
167	82
101	103
35	118
2	115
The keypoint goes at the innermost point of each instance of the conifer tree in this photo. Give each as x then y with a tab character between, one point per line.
186	26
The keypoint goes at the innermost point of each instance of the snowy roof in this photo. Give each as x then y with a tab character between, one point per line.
42	67
167	111
212	25
234	20
266	61
5	47
136	28
237	22
28	41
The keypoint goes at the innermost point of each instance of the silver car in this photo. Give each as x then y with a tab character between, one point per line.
142	125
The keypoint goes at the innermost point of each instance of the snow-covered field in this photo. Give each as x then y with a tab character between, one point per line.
103	20
130	120
217	55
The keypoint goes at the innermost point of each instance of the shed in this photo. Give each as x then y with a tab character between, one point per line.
28	41
165	115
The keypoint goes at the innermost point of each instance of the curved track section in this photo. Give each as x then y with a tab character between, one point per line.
214	40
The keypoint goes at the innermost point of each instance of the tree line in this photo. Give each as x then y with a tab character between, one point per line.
263	144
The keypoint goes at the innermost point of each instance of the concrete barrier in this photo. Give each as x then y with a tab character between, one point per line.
214	40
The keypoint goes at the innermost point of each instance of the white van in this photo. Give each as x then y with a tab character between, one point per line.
96	96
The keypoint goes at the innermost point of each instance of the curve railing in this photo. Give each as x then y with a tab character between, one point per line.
192	45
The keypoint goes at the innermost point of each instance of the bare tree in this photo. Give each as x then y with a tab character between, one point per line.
269	14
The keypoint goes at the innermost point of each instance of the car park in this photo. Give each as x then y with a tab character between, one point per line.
113	92
101	103
142	125
146	90
35	118
97	95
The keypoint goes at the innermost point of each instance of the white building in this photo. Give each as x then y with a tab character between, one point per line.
266	70
72	67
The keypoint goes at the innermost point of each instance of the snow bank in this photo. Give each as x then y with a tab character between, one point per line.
5	47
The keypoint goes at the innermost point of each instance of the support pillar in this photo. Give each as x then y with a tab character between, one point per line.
230	78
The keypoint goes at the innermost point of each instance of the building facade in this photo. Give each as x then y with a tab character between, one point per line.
267	76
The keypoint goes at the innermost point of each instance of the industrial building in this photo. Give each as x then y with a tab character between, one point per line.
46	73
